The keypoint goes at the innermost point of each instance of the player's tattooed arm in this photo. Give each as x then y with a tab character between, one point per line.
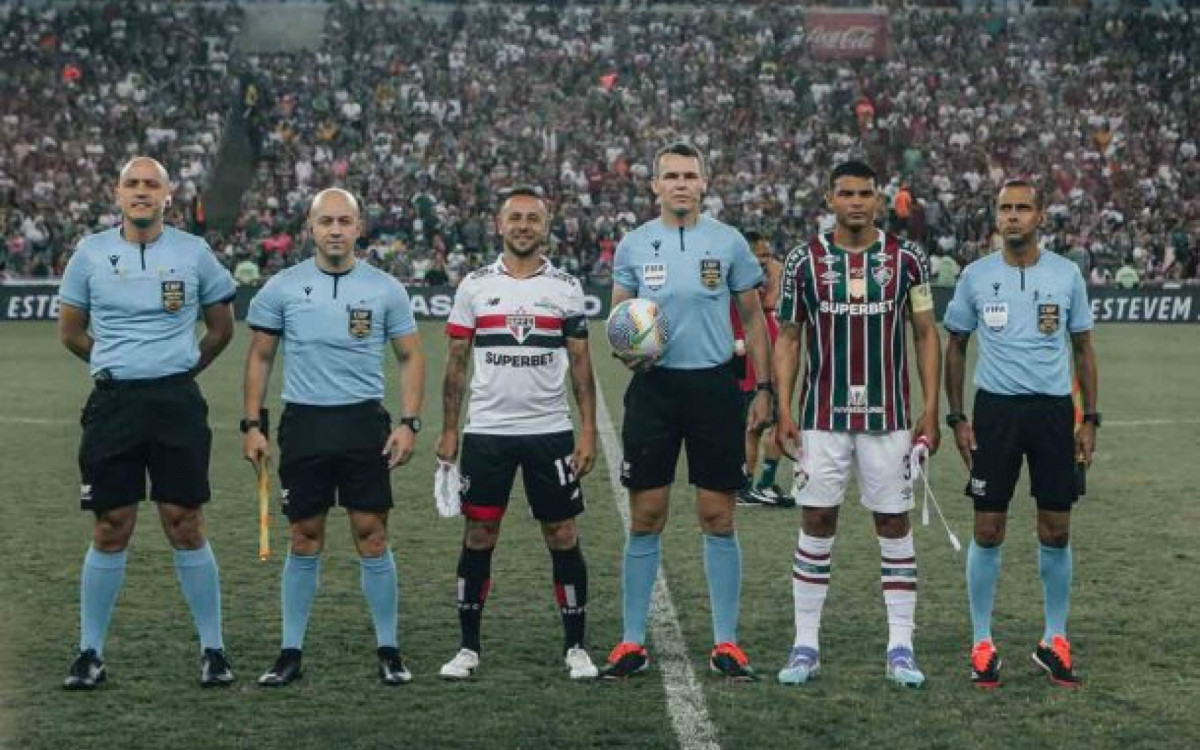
454	385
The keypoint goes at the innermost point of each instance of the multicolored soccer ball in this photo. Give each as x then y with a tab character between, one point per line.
638	329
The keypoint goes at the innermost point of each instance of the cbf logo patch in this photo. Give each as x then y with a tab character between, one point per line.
520	325
360	322
1047	318
654	275
710	272
172	296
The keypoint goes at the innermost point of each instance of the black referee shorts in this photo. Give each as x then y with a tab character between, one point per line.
333	455
702	410
132	428
1040	429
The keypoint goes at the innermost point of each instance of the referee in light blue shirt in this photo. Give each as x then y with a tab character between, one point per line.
334	315
130	300
691	266
1031	313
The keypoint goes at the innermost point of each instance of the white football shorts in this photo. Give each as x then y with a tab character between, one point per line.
879	460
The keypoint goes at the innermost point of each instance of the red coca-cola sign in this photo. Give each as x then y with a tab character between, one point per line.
846	35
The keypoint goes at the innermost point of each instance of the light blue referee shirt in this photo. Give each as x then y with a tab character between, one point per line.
334	328
1024	317
143	301
690	273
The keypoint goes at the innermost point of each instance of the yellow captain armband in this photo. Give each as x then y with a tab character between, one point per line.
920	298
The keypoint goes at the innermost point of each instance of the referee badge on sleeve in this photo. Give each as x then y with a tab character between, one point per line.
172	296
1047	318
360	322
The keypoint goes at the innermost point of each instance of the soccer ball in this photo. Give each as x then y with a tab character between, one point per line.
638	329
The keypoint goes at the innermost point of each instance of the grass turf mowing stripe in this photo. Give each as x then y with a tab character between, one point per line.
685	699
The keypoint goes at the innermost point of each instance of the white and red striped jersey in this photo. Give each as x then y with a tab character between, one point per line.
519	329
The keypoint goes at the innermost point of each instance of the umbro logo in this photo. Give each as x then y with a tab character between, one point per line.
492	302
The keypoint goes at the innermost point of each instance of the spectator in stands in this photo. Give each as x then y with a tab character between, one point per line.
246	273
1127	276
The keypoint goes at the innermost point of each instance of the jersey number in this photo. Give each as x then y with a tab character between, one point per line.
566	470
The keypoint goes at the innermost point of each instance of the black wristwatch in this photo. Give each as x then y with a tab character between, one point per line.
249	424
768	386
955	418
412	423
1092	418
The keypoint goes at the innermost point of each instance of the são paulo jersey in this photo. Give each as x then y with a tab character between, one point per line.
855	306
519	329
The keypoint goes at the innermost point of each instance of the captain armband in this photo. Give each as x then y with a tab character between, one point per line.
921	298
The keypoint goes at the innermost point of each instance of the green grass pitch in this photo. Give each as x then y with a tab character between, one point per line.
1132	622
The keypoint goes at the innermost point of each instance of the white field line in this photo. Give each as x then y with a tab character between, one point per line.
40	421
685	698
1147	422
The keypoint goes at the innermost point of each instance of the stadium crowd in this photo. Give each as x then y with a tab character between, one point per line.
426	116
80	92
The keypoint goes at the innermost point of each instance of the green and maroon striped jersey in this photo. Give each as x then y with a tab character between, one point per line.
855	307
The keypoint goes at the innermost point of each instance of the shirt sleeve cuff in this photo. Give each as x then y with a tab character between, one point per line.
456	331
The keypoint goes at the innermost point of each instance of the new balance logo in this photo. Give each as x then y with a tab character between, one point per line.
85	493
978	487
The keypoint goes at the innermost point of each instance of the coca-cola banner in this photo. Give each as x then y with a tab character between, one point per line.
846	35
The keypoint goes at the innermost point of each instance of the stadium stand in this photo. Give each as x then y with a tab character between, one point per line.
426	113
80	92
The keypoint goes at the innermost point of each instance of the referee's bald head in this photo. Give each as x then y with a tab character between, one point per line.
138	161
328	193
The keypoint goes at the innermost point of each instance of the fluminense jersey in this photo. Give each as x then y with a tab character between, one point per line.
519	328
855	306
